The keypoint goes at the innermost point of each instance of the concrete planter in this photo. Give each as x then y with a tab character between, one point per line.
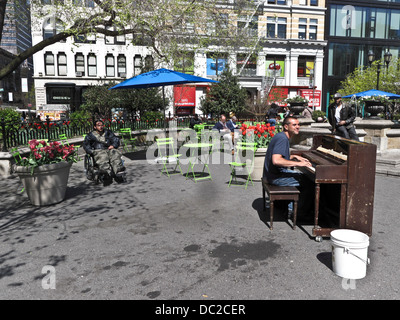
48	183
258	166
297	108
374	108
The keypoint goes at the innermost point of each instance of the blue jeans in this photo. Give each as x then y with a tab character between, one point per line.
290	178
347	133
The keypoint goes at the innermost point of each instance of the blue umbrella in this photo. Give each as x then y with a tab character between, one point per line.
373	92
159	78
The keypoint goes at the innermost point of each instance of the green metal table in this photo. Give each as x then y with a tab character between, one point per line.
194	147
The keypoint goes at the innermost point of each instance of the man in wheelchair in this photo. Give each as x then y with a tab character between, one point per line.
103	160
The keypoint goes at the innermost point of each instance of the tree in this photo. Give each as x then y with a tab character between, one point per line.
258	108
365	78
100	100
167	27
226	96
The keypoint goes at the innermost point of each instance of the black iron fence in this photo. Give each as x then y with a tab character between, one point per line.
19	133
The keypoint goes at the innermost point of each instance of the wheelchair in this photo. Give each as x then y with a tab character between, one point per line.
93	172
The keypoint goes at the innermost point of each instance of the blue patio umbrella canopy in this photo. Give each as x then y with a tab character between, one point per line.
159	78
373	92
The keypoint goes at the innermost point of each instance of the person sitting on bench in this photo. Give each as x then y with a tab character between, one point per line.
225	132
278	163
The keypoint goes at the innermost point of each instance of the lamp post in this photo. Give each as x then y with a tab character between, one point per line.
387	58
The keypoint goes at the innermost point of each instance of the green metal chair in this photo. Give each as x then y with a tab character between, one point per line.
16	155
246	163
199	128
165	145
126	137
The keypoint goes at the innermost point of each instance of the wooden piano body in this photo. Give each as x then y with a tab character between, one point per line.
344	176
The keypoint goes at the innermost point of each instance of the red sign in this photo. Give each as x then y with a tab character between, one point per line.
184	96
312	96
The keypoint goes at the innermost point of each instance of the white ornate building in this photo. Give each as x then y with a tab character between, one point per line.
290	33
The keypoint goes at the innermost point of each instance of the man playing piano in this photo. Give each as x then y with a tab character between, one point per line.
278	165
341	118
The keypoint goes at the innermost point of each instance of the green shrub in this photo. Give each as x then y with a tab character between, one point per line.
318	113
152	116
11	117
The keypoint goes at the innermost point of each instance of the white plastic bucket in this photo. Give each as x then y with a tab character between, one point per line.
349	253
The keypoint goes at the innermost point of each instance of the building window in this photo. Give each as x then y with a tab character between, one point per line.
305	65
85	38
363	22
79	65
184	62
137	64
309	2
120	39
149	62
247	64
302	28
312	29
110	66
270	27
275	66
62	64
248	25
49	64
51	27
215	64
84	3
92	65
276	1
121	65
276	27
394	26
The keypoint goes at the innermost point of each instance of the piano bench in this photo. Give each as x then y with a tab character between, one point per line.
277	193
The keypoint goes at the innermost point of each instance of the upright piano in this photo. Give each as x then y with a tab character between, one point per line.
344	174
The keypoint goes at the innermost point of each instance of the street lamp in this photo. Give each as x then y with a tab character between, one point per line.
387	58
371	57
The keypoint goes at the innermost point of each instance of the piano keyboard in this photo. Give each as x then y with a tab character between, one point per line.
333	153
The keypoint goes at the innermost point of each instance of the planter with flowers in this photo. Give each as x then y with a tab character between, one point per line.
297	105
374	105
44	173
261	134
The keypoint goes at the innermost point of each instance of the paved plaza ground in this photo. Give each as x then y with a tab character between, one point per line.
155	237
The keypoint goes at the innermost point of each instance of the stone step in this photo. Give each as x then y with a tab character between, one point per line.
380	171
